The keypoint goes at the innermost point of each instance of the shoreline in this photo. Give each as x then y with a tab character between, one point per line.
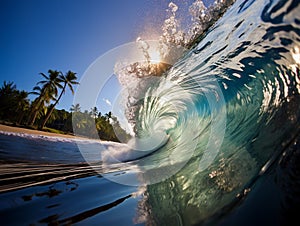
15	129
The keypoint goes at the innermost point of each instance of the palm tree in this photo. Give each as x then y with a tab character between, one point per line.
108	115
22	105
7	92
46	93
12	101
68	80
94	112
7	88
75	108
51	82
39	103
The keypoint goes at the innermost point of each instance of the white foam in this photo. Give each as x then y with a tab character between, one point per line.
134	149
50	138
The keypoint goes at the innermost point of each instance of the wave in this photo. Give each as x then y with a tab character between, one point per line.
230	108
237	80
219	100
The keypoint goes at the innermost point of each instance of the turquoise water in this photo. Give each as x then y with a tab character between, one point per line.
230	109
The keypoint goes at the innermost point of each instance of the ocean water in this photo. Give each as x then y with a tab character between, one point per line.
226	120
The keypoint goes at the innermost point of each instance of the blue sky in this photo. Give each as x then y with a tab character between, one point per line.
38	35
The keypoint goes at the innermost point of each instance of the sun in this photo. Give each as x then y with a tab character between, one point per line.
155	56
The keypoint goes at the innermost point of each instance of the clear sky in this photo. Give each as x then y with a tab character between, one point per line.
38	35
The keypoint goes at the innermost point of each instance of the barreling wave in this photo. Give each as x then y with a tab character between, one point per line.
245	68
157	95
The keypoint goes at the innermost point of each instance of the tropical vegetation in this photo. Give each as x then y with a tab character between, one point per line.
39	112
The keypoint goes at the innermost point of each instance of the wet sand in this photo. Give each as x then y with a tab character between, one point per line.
14	129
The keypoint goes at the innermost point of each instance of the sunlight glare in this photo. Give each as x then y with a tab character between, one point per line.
154	55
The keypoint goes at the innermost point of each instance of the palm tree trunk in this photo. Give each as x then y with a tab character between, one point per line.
20	118
33	114
33	117
49	112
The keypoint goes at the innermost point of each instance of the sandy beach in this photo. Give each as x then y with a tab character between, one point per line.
13	129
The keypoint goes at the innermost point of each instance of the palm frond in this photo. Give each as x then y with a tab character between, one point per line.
42	82
71	88
45	76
